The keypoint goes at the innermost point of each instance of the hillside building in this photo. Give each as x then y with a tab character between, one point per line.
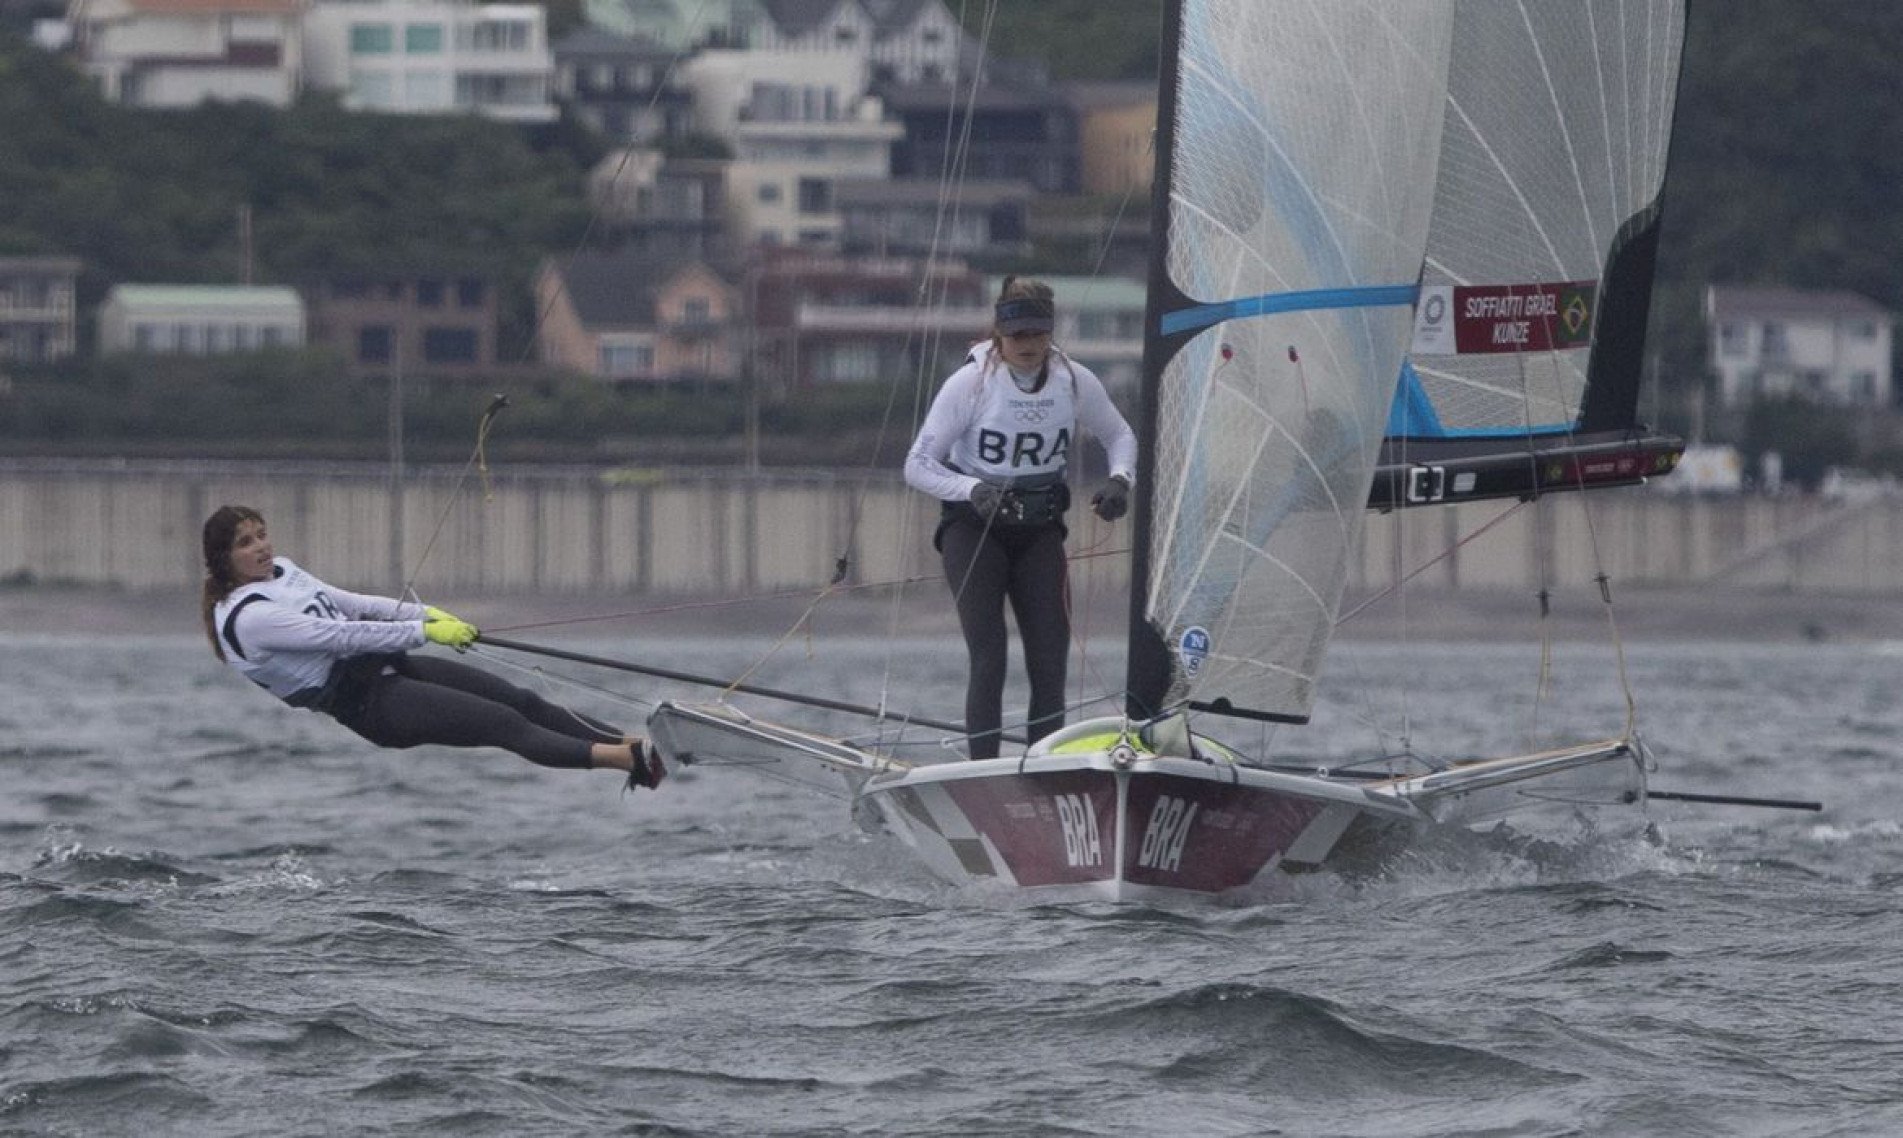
38	313
1827	347
200	320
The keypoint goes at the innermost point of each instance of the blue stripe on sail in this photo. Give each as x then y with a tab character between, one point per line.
1268	304
1411	413
1412	416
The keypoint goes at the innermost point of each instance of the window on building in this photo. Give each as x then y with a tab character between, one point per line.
450	345
470	293
768	102
429	293
145	338
426	89
769	192
275	336
372	39
697	310
1777	341
620	359
1863	387
849	363
1863	330
190	339
845	36
217	338
423	39
499	35
373	89
816	195
374	343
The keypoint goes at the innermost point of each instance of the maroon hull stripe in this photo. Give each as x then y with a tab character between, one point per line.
1051	829
1192	834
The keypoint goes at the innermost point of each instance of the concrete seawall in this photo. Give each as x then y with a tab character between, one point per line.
690	533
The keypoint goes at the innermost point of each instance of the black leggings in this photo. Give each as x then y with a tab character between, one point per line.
431	700
1027	565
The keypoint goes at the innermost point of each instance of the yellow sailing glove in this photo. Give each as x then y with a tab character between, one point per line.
450	632
431	612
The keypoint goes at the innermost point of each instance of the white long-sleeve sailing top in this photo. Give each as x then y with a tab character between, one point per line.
285	633
983	428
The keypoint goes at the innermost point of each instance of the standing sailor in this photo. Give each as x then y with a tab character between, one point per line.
994	449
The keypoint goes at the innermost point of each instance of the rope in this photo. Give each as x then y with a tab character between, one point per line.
478	460
1424	566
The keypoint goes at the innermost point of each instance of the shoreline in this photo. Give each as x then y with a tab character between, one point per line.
1426	615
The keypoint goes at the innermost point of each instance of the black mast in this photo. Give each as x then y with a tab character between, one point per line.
1149	676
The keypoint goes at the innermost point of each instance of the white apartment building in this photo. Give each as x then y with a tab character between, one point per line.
433	57
200	319
798	122
1828	347
180	53
905	41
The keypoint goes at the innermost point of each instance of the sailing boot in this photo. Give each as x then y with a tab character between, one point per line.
648	769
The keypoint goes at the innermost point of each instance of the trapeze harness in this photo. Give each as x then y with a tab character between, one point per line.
327	658
1017	439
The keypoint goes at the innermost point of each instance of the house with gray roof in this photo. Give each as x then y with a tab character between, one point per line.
1825	346
630	316
919	216
906	41
622	86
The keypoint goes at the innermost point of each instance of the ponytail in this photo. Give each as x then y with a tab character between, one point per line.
221	529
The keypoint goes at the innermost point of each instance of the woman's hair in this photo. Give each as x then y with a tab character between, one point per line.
1022	288
221	529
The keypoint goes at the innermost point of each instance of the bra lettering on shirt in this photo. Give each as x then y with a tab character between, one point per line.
1025	448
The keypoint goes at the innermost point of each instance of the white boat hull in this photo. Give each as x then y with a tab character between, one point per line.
1094	812
1083	823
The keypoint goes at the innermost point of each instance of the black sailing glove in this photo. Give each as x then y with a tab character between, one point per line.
1113	501
986	498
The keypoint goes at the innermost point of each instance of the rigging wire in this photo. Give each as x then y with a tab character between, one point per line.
478	459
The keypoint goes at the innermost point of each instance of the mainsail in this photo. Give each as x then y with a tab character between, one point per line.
1296	163
1527	354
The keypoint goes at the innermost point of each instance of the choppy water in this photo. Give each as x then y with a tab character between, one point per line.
219	916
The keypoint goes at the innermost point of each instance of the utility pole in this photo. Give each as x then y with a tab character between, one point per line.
396	461
244	243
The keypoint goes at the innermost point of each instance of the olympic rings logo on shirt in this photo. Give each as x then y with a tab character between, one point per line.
1031	415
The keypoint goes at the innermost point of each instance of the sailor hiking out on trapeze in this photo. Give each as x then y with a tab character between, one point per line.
348	655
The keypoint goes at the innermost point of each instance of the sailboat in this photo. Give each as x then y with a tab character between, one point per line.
1402	257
